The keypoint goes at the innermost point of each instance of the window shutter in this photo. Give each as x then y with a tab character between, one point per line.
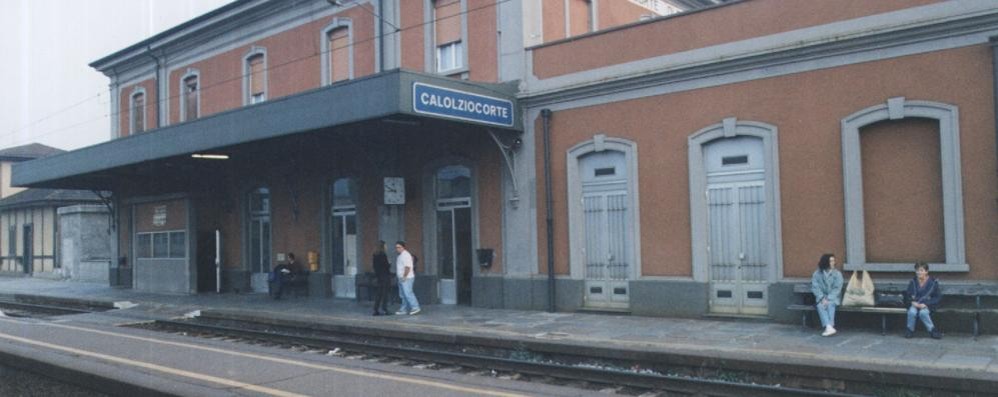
339	54
448	21
191	98
138	113
256	75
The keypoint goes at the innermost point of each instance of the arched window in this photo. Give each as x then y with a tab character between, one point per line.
190	97
337	50
946	120
255	77
138	111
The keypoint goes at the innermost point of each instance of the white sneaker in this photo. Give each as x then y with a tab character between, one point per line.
829	331
400	313
414	312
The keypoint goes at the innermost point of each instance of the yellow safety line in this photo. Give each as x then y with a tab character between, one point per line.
396	378
169	370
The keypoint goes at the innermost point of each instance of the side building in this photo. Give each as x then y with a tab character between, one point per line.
647	157
32	240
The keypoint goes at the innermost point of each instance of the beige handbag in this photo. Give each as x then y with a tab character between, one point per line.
859	292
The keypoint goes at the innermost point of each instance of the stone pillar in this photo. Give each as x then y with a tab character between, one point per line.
85	244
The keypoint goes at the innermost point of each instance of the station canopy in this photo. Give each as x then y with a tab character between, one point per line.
396	97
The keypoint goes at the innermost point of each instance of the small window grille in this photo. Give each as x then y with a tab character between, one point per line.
734	160
724	294
755	294
620	291
595	290
605	171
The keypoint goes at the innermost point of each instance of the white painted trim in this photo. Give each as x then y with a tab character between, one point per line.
952	186
576	236
727	128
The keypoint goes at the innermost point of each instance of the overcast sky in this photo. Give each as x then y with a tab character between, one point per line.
53	97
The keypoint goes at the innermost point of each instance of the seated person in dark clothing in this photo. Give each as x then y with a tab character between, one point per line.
923	292
281	276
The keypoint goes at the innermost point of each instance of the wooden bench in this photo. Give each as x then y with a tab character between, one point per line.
977	291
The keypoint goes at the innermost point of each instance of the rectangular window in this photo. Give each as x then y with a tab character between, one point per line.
143	245
12	240
734	160
449	57
257	84
161	245
339	55
178	244
448	35
191	98
138	113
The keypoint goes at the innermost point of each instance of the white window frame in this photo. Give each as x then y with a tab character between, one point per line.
324	39
248	98
456	56
431	61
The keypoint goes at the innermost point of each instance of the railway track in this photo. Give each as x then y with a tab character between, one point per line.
23	309
579	372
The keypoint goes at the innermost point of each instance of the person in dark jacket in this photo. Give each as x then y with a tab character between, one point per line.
924	294
382	279
281	276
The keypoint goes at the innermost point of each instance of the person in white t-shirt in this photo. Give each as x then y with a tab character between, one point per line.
407	275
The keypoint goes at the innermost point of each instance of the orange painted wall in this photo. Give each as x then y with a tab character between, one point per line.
293	63
902	191
734	22
807	108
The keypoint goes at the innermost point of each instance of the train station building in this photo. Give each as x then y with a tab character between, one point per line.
663	158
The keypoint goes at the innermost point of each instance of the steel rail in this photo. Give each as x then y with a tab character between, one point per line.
670	383
43	308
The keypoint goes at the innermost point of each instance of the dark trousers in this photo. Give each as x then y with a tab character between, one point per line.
381	288
277	288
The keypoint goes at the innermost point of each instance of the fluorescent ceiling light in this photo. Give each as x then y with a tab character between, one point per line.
210	156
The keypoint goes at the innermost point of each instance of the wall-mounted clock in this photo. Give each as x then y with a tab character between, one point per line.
394	190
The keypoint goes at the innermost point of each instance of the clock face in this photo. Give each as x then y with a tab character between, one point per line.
394	190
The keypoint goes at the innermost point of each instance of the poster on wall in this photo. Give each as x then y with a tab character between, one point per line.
159	216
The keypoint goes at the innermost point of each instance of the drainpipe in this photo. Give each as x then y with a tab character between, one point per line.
149	52
994	86
548	203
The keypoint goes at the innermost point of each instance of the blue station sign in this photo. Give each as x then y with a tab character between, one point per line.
444	102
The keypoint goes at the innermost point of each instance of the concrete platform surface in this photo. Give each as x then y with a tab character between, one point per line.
955	356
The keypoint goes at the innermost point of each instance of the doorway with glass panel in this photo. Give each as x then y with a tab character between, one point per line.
344	234
454	233
258	234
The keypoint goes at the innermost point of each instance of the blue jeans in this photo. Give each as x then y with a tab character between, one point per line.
922	314
409	302
827	314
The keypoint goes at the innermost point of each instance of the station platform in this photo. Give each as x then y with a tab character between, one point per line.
956	356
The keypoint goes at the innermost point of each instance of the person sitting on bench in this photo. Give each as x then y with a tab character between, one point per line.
826	285
924	294
282	276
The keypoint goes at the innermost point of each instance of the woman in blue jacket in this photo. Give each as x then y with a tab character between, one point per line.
923	292
826	284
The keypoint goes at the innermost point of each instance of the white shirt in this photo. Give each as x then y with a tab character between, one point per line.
403	261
